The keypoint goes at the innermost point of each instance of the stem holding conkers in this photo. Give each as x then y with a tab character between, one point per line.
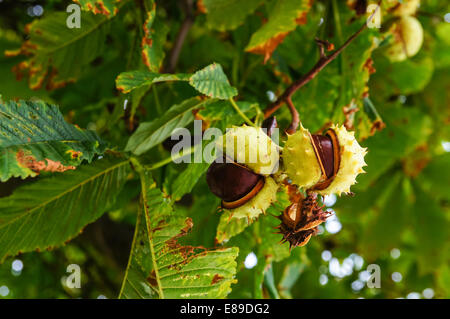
323	61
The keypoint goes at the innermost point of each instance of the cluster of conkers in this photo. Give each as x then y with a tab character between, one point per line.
311	163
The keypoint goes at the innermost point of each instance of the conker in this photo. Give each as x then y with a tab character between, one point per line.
270	124
233	183
326	163
250	146
324	148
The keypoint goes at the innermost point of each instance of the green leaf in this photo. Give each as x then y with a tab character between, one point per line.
150	134
57	53
406	128
128	81
269	282
210	81
407	77
290	275
431	231
384	230
229	227
412	76
223	114
186	181
283	18
34	136
213	82
53	210
228	14
159	267
436	176
105	7
268	238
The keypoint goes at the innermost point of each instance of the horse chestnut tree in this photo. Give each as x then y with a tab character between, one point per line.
222	148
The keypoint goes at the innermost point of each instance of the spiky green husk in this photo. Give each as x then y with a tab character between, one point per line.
351	163
258	204
407	39
252	147
300	161
406	8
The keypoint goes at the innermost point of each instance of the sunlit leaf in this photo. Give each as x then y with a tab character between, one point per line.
213	82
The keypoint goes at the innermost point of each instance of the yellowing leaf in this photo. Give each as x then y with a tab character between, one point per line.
105	7
283	18
57	55
155	33
34	137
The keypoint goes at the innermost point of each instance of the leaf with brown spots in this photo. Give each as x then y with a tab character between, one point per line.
46	165
34	137
284	17
161	267
105	7
155	33
57	55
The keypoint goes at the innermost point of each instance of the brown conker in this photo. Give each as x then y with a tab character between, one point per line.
326	148
233	183
270	124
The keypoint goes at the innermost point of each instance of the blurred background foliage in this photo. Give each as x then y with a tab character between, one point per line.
399	216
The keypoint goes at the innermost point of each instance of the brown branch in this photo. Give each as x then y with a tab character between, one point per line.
324	60
181	36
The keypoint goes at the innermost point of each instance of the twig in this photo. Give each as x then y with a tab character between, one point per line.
324	60
179	41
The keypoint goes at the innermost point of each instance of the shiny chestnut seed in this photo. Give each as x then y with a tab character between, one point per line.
233	183
324	147
270	124
327	150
